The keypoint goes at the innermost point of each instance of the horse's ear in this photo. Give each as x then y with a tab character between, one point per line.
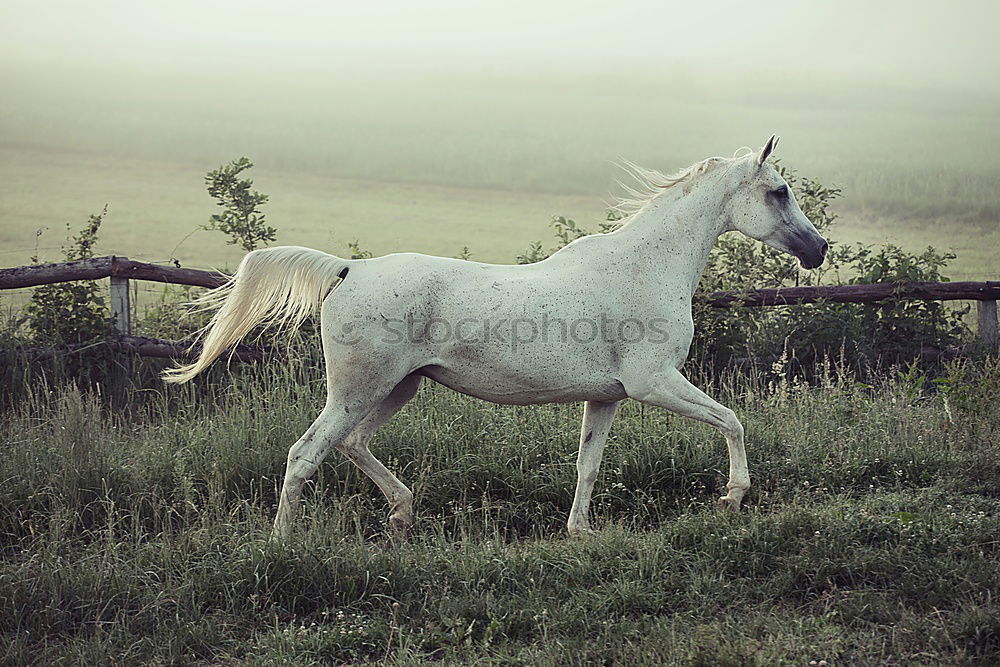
766	150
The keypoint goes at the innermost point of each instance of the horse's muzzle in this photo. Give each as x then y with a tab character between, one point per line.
812	255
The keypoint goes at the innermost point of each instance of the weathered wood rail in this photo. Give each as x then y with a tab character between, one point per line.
106	267
121	270
869	293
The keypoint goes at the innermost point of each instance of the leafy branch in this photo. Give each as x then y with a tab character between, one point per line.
241	220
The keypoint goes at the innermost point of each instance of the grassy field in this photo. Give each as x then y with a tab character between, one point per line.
162	204
138	535
134	516
434	164
158	217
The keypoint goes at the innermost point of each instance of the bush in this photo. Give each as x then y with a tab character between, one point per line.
73	312
861	335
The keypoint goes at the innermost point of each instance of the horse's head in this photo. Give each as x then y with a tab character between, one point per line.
763	207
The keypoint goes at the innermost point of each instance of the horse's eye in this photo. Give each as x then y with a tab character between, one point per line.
780	193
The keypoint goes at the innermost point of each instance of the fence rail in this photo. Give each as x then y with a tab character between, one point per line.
106	267
121	270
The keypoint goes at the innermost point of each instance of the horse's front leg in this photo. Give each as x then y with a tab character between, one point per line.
672	391
597	418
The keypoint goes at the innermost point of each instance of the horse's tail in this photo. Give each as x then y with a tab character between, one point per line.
277	285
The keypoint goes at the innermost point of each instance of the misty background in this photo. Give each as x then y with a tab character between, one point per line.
439	125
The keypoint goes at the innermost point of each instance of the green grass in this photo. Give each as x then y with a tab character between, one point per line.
138	534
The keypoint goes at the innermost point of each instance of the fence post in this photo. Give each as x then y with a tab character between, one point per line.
120	301
987	312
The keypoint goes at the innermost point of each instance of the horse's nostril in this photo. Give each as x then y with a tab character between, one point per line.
823	249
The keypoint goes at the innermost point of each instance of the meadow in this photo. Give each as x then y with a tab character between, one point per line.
134	516
437	163
137	533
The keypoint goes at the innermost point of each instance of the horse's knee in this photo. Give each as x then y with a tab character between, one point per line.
353	447
731	426
298	473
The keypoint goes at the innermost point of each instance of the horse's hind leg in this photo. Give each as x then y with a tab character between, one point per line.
332	426
672	391
355	447
339	427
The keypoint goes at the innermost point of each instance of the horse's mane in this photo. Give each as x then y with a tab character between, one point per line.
649	183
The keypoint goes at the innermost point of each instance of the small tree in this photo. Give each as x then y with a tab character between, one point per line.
71	312
241	219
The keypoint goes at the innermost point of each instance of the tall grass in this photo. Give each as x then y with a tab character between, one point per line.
139	535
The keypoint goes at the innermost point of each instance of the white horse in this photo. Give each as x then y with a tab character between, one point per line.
605	318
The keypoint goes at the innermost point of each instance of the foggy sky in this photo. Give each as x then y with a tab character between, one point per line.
912	42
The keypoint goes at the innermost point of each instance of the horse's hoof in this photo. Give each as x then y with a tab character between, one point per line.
279	533
579	531
401	525
729	504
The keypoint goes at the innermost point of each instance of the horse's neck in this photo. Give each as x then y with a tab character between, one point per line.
672	237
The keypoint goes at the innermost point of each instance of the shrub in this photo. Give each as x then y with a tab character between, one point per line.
861	335
74	312
241	219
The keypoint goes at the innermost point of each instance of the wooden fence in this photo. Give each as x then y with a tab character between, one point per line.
121	270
